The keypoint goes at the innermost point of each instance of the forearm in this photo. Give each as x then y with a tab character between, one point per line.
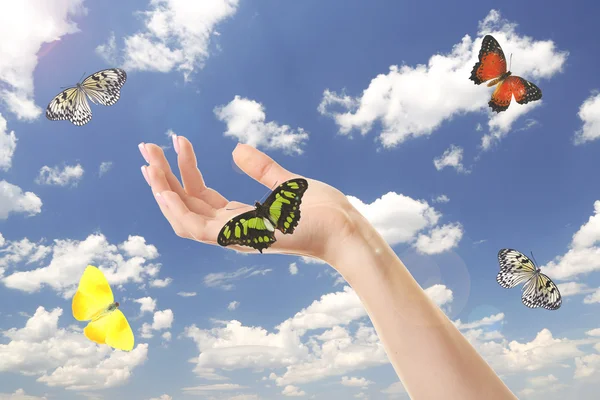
430	355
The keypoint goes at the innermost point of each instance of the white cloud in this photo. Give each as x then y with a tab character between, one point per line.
573	288
441	199
224	280
186	294
203	390
593	332
64	357
24	26
293	268
355	381
440	294
167	336
161	283
8	144
245	121
311	260
229	345
293	391
440	239
233	305
542	384
20	394
415	101
587	366
105	166
109	50
162	320
69	175
394	389
583	255
176	36
452	157
135	246
70	258
592	298
147	304
399	219
485	321
589	113
13	200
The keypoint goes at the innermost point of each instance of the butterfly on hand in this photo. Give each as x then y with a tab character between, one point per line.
538	291
94	301
256	228
492	65
103	87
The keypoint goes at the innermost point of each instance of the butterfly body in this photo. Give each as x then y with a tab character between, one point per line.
538	290
94	302
102	87
256	228
492	67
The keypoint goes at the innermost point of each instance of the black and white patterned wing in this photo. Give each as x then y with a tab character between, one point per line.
104	87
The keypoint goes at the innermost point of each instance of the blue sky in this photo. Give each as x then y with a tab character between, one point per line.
373	99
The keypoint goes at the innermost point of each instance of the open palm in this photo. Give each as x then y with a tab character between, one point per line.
198	212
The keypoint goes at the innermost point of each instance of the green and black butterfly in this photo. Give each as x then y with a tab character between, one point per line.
256	228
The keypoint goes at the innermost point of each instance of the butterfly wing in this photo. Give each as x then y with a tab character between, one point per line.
247	229
541	292
92	296
283	204
491	64
515	267
111	329
523	90
104	87
70	104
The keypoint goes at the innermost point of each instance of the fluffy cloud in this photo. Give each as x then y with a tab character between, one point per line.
105	166
224	280
415	101
583	255
293	268
24	27
203	390
440	239
573	288
400	219
233	305
161	283
8	144
68	175
355	381
70	258
589	113
20	394
14	200
452	157
336	351
64	357
293	391
592	298
442	198
147	304
440	294
542	384
161	320
176	36
245	121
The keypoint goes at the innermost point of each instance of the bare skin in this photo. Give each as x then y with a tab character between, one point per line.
430	355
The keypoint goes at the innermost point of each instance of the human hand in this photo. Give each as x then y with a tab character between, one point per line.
198	212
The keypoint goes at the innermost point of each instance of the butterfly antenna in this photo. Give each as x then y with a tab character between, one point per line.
81	77
265	195
534	259
230	209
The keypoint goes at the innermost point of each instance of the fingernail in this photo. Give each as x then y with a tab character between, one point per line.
161	200
145	173
175	143
142	147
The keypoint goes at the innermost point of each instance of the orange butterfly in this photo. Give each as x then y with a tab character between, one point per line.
492	65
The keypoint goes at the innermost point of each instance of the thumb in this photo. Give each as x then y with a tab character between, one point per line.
260	166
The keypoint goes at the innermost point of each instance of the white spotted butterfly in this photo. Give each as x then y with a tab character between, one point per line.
538	291
102	87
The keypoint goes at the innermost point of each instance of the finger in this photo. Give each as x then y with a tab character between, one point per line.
155	156
190	223
260	166
159	183
193	182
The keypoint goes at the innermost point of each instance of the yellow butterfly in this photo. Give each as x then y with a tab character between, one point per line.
94	301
